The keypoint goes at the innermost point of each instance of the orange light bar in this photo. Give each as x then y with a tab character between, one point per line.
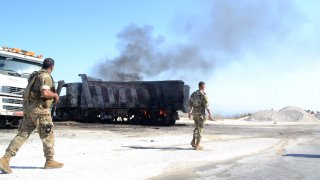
23	52
30	53
16	50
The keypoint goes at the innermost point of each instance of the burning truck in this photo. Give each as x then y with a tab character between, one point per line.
135	102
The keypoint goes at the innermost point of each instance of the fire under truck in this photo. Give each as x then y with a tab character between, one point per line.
15	67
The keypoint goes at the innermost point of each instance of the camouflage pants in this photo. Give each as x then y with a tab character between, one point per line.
199	126
44	126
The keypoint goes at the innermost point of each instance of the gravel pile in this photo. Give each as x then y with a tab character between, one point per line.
287	114
266	115
297	114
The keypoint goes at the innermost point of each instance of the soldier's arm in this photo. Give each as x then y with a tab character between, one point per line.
46	93
46	83
206	105
209	114
189	113
190	108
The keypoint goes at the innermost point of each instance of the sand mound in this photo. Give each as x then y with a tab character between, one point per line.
266	115
317	115
297	114
287	114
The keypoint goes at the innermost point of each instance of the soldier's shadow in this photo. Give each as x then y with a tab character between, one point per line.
159	148
303	155
22	167
25	167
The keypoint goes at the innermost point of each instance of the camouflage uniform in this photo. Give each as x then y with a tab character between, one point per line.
36	115
199	102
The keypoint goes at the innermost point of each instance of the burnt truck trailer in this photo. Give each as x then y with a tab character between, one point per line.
136	102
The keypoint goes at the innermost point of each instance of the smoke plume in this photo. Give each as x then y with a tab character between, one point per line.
220	33
232	27
142	56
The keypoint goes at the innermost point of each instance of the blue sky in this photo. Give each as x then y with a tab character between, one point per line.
268	71
77	33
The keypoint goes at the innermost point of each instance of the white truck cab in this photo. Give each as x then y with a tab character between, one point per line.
15	67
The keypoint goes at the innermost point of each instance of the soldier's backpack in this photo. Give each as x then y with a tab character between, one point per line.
197	99
27	92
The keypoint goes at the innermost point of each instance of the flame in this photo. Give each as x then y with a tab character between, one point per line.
145	113
162	112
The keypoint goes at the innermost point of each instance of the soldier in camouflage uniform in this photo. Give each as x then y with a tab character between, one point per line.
198	104
38	97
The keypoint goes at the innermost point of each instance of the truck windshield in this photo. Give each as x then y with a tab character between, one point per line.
18	65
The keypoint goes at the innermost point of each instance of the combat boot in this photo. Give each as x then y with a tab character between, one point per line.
52	164
198	146
4	165
193	142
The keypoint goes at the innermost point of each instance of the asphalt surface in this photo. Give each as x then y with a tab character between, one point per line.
233	150
295	156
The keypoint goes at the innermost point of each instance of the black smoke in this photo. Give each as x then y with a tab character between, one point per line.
142	56
224	31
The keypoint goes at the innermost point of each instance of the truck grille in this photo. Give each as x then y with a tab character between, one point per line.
11	104
12	101
12	90
12	108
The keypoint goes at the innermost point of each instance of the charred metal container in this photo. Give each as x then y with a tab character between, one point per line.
136	102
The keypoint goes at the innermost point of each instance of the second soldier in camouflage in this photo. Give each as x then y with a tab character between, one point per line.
198	104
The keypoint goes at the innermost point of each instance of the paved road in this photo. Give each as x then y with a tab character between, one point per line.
295	156
236	150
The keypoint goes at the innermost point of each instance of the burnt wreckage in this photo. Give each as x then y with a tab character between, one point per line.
136	102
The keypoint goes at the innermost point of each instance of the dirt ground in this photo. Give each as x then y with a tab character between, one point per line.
234	149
